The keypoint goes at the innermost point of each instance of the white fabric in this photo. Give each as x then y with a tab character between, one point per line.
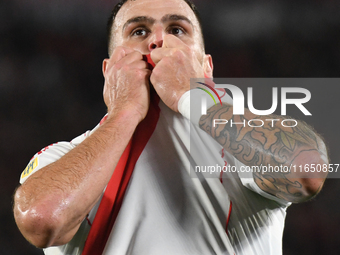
171	208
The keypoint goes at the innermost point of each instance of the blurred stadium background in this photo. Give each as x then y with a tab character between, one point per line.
51	86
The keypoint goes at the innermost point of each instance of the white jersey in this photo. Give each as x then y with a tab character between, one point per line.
170	208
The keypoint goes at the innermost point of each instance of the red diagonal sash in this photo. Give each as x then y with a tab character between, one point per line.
113	196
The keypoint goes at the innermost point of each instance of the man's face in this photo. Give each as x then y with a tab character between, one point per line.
142	25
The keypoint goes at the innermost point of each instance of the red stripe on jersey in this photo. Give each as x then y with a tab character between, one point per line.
88	220
221	174
103	119
113	196
228	218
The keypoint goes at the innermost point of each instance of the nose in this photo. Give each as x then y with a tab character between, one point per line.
156	41
155	44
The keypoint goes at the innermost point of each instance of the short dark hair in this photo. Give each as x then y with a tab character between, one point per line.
122	2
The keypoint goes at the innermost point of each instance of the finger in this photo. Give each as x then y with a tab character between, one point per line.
159	53
120	52
129	58
171	41
124	61
139	64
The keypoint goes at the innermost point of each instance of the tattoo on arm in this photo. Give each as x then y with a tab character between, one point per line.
255	144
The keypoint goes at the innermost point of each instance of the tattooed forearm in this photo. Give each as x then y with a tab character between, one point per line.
281	187
263	141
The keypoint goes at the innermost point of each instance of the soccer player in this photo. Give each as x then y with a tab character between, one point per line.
129	186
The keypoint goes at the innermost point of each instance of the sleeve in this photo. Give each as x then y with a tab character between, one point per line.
49	155
53	152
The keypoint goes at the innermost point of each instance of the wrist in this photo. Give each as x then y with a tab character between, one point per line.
124	117
132	114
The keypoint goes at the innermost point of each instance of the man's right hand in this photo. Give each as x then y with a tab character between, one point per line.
51	204
126	83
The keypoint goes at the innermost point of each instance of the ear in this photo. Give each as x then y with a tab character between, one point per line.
208	66
105	64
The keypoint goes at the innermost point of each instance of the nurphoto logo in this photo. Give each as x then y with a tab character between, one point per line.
239	103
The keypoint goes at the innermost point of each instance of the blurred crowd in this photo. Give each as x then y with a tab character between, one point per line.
51	85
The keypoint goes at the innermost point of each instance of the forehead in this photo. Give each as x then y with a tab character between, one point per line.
155	9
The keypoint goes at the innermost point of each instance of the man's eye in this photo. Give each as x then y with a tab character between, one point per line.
139	32
176	31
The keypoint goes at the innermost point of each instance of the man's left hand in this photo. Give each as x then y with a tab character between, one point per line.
175	63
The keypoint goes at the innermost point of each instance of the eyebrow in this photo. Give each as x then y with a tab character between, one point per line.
150	20
175	17
139	19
